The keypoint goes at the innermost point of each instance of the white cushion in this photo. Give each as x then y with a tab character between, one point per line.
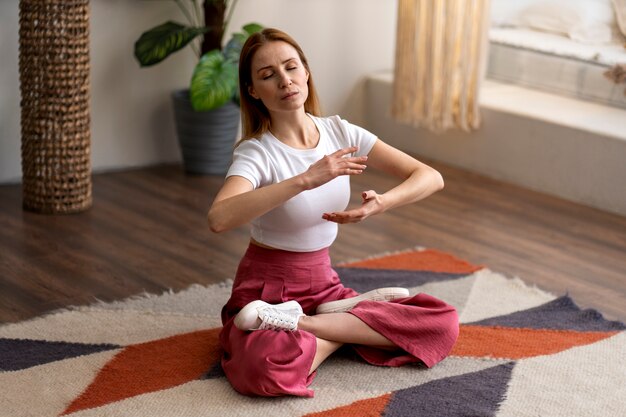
587	21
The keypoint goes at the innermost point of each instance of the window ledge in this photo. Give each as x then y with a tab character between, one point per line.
564	111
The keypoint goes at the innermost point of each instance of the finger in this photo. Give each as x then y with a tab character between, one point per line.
355	159
333	217
350	216
352	165
345	151
352	171
368	195
336	219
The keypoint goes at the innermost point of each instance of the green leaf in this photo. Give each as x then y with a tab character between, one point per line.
232	50
252	28
214	81
156	44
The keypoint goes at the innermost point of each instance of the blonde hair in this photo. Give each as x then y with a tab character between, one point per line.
255	118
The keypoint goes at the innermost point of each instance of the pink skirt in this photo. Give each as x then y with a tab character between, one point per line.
275	363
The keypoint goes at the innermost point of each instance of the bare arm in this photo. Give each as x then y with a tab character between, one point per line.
418	182
238	203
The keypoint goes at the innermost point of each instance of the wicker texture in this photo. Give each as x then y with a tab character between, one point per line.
55	119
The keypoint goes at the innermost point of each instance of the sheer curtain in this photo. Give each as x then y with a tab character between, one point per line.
441	51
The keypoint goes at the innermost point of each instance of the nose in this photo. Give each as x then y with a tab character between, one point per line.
284	79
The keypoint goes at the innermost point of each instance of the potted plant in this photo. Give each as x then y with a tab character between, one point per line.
207	113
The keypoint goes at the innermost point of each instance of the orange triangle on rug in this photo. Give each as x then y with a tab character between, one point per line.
418	260
370	407
151	366
517	343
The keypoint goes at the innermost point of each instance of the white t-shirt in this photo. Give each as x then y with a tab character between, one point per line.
297	225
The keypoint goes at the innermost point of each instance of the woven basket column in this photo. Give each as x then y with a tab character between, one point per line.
55	119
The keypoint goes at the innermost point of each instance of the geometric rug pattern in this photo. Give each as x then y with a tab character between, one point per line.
521	352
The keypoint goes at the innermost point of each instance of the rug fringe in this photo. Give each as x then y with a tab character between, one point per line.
100	304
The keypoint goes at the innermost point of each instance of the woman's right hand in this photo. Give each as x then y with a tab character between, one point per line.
333	165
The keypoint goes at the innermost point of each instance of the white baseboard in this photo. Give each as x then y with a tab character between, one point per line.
559	145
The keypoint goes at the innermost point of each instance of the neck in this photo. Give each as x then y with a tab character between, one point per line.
295	129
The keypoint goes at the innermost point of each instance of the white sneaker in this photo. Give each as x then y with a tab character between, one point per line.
259	315
381	294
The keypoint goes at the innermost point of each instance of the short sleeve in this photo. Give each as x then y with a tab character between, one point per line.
251	162
358	136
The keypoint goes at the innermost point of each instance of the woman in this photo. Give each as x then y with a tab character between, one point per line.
290	179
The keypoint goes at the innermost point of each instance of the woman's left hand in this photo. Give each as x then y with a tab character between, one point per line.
372	204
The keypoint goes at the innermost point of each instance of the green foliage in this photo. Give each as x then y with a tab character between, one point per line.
159	42
215	78
234	45
213	82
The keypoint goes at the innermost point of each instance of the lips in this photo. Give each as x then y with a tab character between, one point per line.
288	95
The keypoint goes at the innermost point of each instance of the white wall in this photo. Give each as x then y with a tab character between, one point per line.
132	122
9	93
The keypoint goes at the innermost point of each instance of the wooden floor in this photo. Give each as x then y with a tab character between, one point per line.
147	232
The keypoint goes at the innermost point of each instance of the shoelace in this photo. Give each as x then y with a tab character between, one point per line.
272	319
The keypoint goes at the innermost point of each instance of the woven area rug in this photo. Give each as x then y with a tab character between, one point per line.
521	352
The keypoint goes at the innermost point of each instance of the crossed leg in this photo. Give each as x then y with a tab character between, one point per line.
332	330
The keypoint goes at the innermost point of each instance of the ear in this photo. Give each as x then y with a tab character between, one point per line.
252	93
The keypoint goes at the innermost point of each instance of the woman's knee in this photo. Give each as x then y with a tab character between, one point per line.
251	375
269	370
261	376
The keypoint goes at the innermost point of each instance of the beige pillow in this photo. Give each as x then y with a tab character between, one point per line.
586	21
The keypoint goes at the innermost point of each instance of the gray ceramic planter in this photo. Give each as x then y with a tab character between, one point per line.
206	138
